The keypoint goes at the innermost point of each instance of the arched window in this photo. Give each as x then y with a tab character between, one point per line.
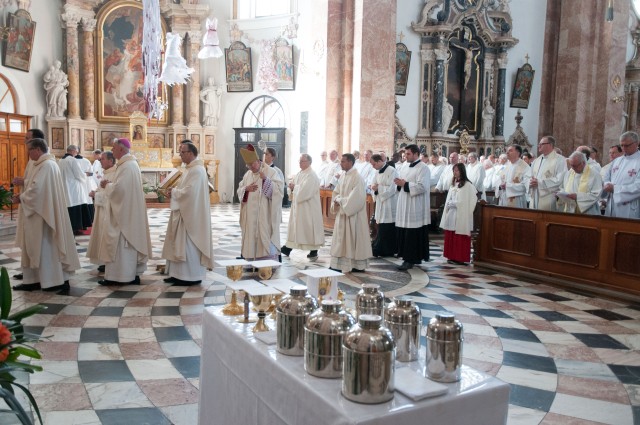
262	112
7	96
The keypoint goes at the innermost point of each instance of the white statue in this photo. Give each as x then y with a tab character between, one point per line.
210	98
55	83
487	120
447	115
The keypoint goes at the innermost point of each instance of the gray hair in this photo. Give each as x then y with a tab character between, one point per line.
582	157
630	135
307	157
110	156
472	155
71	148
39	144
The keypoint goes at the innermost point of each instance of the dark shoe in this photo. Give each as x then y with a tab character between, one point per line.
285	250
64	287
135	281
405	266
101	269
279	258
107	282
18	276
169	279
240	258
27	287
313	255
357	271
450	262
180	282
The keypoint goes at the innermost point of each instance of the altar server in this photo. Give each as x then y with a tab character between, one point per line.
386	198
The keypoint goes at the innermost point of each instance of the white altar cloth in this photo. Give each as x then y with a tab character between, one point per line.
245	382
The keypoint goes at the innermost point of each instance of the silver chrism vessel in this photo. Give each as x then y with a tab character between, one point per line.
369	300
292	312
444	348
404	320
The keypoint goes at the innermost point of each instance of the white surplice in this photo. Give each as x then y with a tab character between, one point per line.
549	170
624	174
587	186
516	179
476	174
413	210
386	196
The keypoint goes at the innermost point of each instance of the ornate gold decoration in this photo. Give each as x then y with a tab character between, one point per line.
261	303
616	82
233	308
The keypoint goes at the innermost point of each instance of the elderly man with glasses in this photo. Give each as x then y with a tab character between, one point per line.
546	175
621	189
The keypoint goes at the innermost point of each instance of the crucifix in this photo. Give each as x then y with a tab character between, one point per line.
468	47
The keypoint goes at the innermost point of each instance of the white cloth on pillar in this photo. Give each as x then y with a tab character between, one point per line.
624	174
386	196
549	170
350	243
587	186
413	209
516	181
305	229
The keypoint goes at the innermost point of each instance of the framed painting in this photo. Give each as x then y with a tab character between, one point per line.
89	141
403	61
237	59
179	139
19	44
75	137
119	71
57	138
107	138
522	87
209	144
284	65
156	140
195	139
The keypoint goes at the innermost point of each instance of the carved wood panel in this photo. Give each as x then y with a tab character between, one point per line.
626	248
514	235
583	244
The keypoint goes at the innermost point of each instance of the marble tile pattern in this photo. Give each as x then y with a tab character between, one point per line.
131	354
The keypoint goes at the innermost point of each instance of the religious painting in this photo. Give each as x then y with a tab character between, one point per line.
522	87
195	139
19	44
75	137
89	142
403	61
57	138
179	139
208	144
238	67
120	72
156	140
284	65
108	137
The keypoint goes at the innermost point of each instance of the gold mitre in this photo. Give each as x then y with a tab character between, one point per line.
249	154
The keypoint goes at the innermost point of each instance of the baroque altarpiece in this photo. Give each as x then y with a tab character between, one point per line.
463	58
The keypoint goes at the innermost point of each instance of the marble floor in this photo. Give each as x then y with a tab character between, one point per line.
130	355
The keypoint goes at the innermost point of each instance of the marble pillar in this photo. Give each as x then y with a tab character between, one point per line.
438	90
88	86
177	105
71	21
500	100
632	119
194	92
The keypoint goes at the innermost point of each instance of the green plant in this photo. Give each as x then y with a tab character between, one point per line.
5	197
14	342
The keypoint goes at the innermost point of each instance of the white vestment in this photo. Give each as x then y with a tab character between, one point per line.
188	245
386	196
516	180
624	174
89	182
350	243
97	252
444	182
413	209
44	232
549	170
322	171
587	186
457	215
487	184
476	174
435	171
305	229
98	171
75	180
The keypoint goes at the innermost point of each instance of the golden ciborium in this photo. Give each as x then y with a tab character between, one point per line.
262	304
265	273
265	268
234	272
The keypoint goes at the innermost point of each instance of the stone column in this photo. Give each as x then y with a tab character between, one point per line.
438	89
192	60
633	109
88	89
500	101
71	21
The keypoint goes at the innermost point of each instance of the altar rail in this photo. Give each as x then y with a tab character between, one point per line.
328	219
600	253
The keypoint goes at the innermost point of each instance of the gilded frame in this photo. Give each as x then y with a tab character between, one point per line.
19	44
403	62
119	72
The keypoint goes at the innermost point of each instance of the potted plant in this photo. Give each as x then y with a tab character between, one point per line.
148	188
14	342
5	197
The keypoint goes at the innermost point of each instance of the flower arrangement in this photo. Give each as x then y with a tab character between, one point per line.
14	342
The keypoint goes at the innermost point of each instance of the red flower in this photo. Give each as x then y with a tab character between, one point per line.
5	338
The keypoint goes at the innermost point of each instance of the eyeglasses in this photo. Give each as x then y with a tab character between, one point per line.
544	143
626	145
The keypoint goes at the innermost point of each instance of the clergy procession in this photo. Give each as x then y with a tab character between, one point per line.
56	196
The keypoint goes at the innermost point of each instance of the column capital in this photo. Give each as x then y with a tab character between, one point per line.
427	55
441	54
88	24
70	19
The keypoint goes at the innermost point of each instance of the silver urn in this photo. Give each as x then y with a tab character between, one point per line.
404	319
323	335
444	348
292	312
369	300
368	368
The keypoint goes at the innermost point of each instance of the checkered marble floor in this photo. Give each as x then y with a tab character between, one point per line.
131	355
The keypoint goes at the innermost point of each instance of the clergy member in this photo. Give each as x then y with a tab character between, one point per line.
305	230
413	213
350	243
444	182
44	233
278	190
475	172
436	167
188	247
581	187
77	193
97	252
258	214
547	171
127	237
515	180
621	190
386	197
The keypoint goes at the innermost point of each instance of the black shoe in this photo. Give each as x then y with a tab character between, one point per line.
27	287
169	279
357	271
405	266
240	258
279	258
313	255
64	287
101	269
18	276
285	250
180	282
107	282
135	281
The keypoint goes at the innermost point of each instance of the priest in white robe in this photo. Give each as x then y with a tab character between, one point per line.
581	187
77	194
258	214
621	189
514	183
279	191
413	214
305	230
127	236
350	243
547	172
96	167
44	233
475	172
386	197
447	174
98	252
89	182
188	246
435	170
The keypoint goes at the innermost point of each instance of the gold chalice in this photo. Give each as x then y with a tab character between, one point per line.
261	303
274	304
324	287
233	308
265	273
